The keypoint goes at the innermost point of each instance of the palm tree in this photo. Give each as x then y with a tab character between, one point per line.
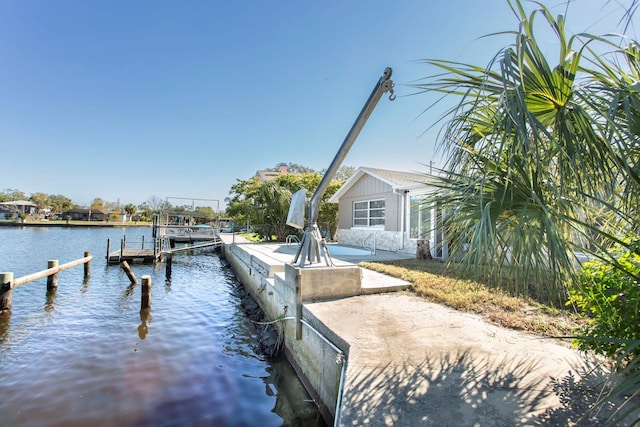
131	210
537	154
272	206
543	158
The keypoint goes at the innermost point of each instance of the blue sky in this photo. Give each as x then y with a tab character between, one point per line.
124	100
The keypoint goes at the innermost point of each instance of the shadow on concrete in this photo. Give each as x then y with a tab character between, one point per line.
460	390
585	401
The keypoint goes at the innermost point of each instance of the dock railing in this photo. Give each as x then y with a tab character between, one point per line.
125	251
8	283
370	243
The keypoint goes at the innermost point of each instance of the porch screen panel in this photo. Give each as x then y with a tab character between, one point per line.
419	218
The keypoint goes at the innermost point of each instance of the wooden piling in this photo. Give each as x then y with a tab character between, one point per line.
6	286
87	265
168	266
127	269
52	280
8	283
145	301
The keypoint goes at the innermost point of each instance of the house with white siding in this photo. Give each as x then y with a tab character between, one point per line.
10	210
389	207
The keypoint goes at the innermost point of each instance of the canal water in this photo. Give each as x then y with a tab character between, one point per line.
86	355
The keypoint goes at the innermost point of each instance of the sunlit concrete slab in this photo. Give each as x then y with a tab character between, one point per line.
412	362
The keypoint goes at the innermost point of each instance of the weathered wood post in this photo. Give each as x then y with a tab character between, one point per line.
108	249
142	242
145	301
168	266
87	265
423	251
52	280
6	286
127	269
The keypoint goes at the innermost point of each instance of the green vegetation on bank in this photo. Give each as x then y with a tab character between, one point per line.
611	298
263	205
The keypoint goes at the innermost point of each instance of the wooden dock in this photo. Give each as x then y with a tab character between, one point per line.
167	240
133	255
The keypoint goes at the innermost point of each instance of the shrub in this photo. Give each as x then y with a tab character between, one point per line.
609	294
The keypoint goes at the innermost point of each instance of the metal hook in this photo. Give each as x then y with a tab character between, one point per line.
388	86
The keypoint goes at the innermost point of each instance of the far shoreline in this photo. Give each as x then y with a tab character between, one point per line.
64	223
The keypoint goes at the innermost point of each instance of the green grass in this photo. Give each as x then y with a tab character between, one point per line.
444	284
253	237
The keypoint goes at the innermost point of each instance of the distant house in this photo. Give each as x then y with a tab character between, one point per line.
82	214
267	175
6	213
9	210
388	206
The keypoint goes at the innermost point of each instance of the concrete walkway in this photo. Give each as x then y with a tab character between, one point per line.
415	363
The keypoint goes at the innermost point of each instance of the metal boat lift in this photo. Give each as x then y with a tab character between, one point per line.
313	244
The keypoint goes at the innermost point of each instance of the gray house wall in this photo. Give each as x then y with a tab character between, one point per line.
396	189
369	188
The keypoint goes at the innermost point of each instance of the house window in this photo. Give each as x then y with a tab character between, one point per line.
419	218
368	214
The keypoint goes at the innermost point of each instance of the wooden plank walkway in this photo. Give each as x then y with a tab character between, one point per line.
142	255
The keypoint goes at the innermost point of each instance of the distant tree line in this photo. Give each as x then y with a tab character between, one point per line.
59	204
263	206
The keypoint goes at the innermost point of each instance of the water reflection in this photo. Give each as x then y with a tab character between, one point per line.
145	317
200	398
85	284
126	294
5	323
51	299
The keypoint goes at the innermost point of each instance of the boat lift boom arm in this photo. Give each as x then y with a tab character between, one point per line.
310	245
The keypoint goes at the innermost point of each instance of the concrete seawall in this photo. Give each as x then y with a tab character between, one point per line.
315	352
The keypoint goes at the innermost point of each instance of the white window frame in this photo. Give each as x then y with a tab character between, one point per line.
369	218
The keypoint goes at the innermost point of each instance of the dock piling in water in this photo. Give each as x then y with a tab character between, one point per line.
87	265
127	269
145	300
168	266
7	282
6	285
52	280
